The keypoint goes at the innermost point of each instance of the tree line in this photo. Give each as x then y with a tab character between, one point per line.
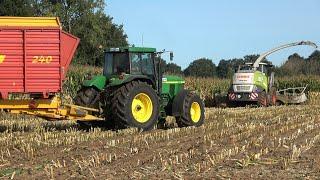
204	67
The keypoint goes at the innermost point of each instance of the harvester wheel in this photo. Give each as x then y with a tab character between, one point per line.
263	99
135	104
88	97
191	109
273	100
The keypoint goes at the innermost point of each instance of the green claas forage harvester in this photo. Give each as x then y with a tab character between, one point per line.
132	92
254	83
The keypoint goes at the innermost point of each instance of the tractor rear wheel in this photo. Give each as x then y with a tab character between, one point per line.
88	97
135	104
192	110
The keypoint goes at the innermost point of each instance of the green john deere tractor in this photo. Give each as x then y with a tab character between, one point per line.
132	92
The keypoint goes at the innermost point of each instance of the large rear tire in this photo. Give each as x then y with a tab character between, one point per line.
88	97
135	104
191	110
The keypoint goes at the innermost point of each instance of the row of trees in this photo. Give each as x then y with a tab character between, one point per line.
203	67
84	18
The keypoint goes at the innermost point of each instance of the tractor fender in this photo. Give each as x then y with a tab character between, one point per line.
141	78
98	82
177	104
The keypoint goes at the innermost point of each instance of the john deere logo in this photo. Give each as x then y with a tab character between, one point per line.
2	57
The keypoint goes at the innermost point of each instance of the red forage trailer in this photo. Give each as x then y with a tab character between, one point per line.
35	54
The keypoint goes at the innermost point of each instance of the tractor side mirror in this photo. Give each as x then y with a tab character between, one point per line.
171	56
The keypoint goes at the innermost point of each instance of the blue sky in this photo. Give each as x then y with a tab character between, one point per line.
218	29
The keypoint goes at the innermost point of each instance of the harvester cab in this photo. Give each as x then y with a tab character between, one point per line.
248	82
263	67
132	91
254	82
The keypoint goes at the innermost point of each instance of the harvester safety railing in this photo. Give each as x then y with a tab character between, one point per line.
296	91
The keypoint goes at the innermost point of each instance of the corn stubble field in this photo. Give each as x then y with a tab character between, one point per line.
282	142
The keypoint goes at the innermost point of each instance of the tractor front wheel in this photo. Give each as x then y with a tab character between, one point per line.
191	110
135	104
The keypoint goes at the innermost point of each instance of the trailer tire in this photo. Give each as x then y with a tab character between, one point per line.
135	104
191	110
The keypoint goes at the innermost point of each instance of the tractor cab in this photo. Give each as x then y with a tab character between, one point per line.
131	63
130	60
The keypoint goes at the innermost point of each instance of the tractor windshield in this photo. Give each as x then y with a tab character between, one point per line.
116	63
142	63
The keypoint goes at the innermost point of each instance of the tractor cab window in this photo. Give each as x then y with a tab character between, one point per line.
116	63
142	63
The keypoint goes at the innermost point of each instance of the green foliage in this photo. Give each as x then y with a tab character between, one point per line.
201	68
297	65
172	68
16	8
312	81
76	75
226	68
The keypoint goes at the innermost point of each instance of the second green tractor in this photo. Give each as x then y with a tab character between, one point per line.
132	92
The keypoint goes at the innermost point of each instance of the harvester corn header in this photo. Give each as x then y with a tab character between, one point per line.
35	54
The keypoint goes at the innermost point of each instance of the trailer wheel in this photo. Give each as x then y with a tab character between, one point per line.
263	99
135	104
191	110
88	97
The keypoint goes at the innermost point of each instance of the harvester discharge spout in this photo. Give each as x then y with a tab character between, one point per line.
264	55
